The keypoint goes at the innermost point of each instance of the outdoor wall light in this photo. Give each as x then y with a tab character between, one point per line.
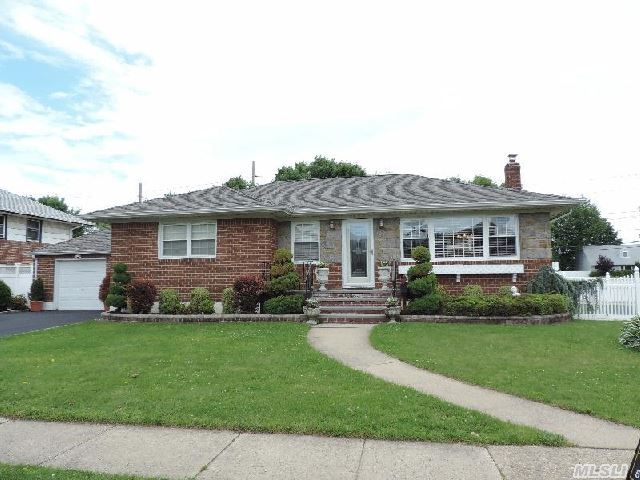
381	224
332	225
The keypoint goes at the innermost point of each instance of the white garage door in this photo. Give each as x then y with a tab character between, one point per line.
77	283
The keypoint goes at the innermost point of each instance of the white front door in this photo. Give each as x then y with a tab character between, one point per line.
357	254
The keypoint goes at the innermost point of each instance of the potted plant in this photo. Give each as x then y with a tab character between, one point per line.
36	295
322	274
384	273
392	310
311	309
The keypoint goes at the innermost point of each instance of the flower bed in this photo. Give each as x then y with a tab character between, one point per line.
210	318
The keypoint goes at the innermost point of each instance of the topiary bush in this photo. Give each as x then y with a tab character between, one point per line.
284	304
169	302
284	284
141	295
118	288
19	302
36	293
284	277
247	291
427	305
5	296
630	334
227	301
421	280
200	301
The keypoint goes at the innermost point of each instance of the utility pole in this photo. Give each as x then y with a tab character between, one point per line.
253	173
139	192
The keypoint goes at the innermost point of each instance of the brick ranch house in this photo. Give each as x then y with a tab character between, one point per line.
208	238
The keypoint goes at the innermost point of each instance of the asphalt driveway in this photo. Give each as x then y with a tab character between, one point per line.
11	323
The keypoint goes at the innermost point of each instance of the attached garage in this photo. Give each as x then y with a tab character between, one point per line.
77	282
72	271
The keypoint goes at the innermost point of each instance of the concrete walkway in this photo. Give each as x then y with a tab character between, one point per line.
210	454
350	345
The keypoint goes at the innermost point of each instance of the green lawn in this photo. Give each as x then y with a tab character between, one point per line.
24	472
253	376
577	365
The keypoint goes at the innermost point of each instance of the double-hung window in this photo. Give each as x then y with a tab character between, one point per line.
34	230
414	234
185	240
305	237
502	237
3	227
458	237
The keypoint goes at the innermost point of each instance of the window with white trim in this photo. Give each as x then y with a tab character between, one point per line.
34	230
185	240
414	233
502	237
3	227
624	254
305	237
458	237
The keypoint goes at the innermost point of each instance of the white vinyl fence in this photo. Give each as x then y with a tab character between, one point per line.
18	277
616	299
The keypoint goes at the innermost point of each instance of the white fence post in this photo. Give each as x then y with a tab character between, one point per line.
636	281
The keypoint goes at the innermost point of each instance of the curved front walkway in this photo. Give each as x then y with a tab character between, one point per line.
349	344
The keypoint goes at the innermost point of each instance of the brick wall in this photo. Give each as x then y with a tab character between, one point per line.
12	251
243	245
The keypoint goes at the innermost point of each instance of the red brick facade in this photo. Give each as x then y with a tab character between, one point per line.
243	247
12	251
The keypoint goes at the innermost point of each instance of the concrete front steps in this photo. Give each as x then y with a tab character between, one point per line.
352	305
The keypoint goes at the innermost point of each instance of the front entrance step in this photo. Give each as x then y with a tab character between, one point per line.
352	318
352	293
377	300
377	309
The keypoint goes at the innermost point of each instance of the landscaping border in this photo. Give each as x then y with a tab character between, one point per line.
515	320
213	318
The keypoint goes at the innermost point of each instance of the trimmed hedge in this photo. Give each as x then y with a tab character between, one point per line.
227	301
284	304
200	301
141	295
281	285
630	334
5	296
427	305
169	302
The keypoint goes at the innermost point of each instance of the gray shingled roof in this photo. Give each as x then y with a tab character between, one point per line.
13	203
374	194
94	242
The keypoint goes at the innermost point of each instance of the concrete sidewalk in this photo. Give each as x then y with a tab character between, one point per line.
350	345
207	454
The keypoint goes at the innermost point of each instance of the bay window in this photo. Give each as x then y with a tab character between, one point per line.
305	237
458	237
186	240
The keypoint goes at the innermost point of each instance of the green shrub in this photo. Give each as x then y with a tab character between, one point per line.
280	269
141	295
5	296
200	301
421	254
170	302
117	290
282	256
281	285
621	273
426	305
548	281
284	304
418	271
19	302
228	301
630	334
473	290
37	290
505	305
422	286
463	305
505	290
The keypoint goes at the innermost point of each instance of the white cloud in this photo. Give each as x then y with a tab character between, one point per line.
170	88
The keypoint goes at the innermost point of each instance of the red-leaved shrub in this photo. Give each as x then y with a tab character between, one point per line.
247	291
104	287
141	295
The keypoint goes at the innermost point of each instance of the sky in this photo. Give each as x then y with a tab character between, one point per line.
98	96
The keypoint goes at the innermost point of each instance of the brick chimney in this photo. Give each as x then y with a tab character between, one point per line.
512	173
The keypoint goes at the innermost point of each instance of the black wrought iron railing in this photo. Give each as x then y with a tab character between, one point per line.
308	270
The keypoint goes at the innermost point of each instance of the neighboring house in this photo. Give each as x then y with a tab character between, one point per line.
72	271
624	257
26	224
208	238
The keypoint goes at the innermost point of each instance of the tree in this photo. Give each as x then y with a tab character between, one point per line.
603	265
321	167
483	181
58	203
580	226
237	183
